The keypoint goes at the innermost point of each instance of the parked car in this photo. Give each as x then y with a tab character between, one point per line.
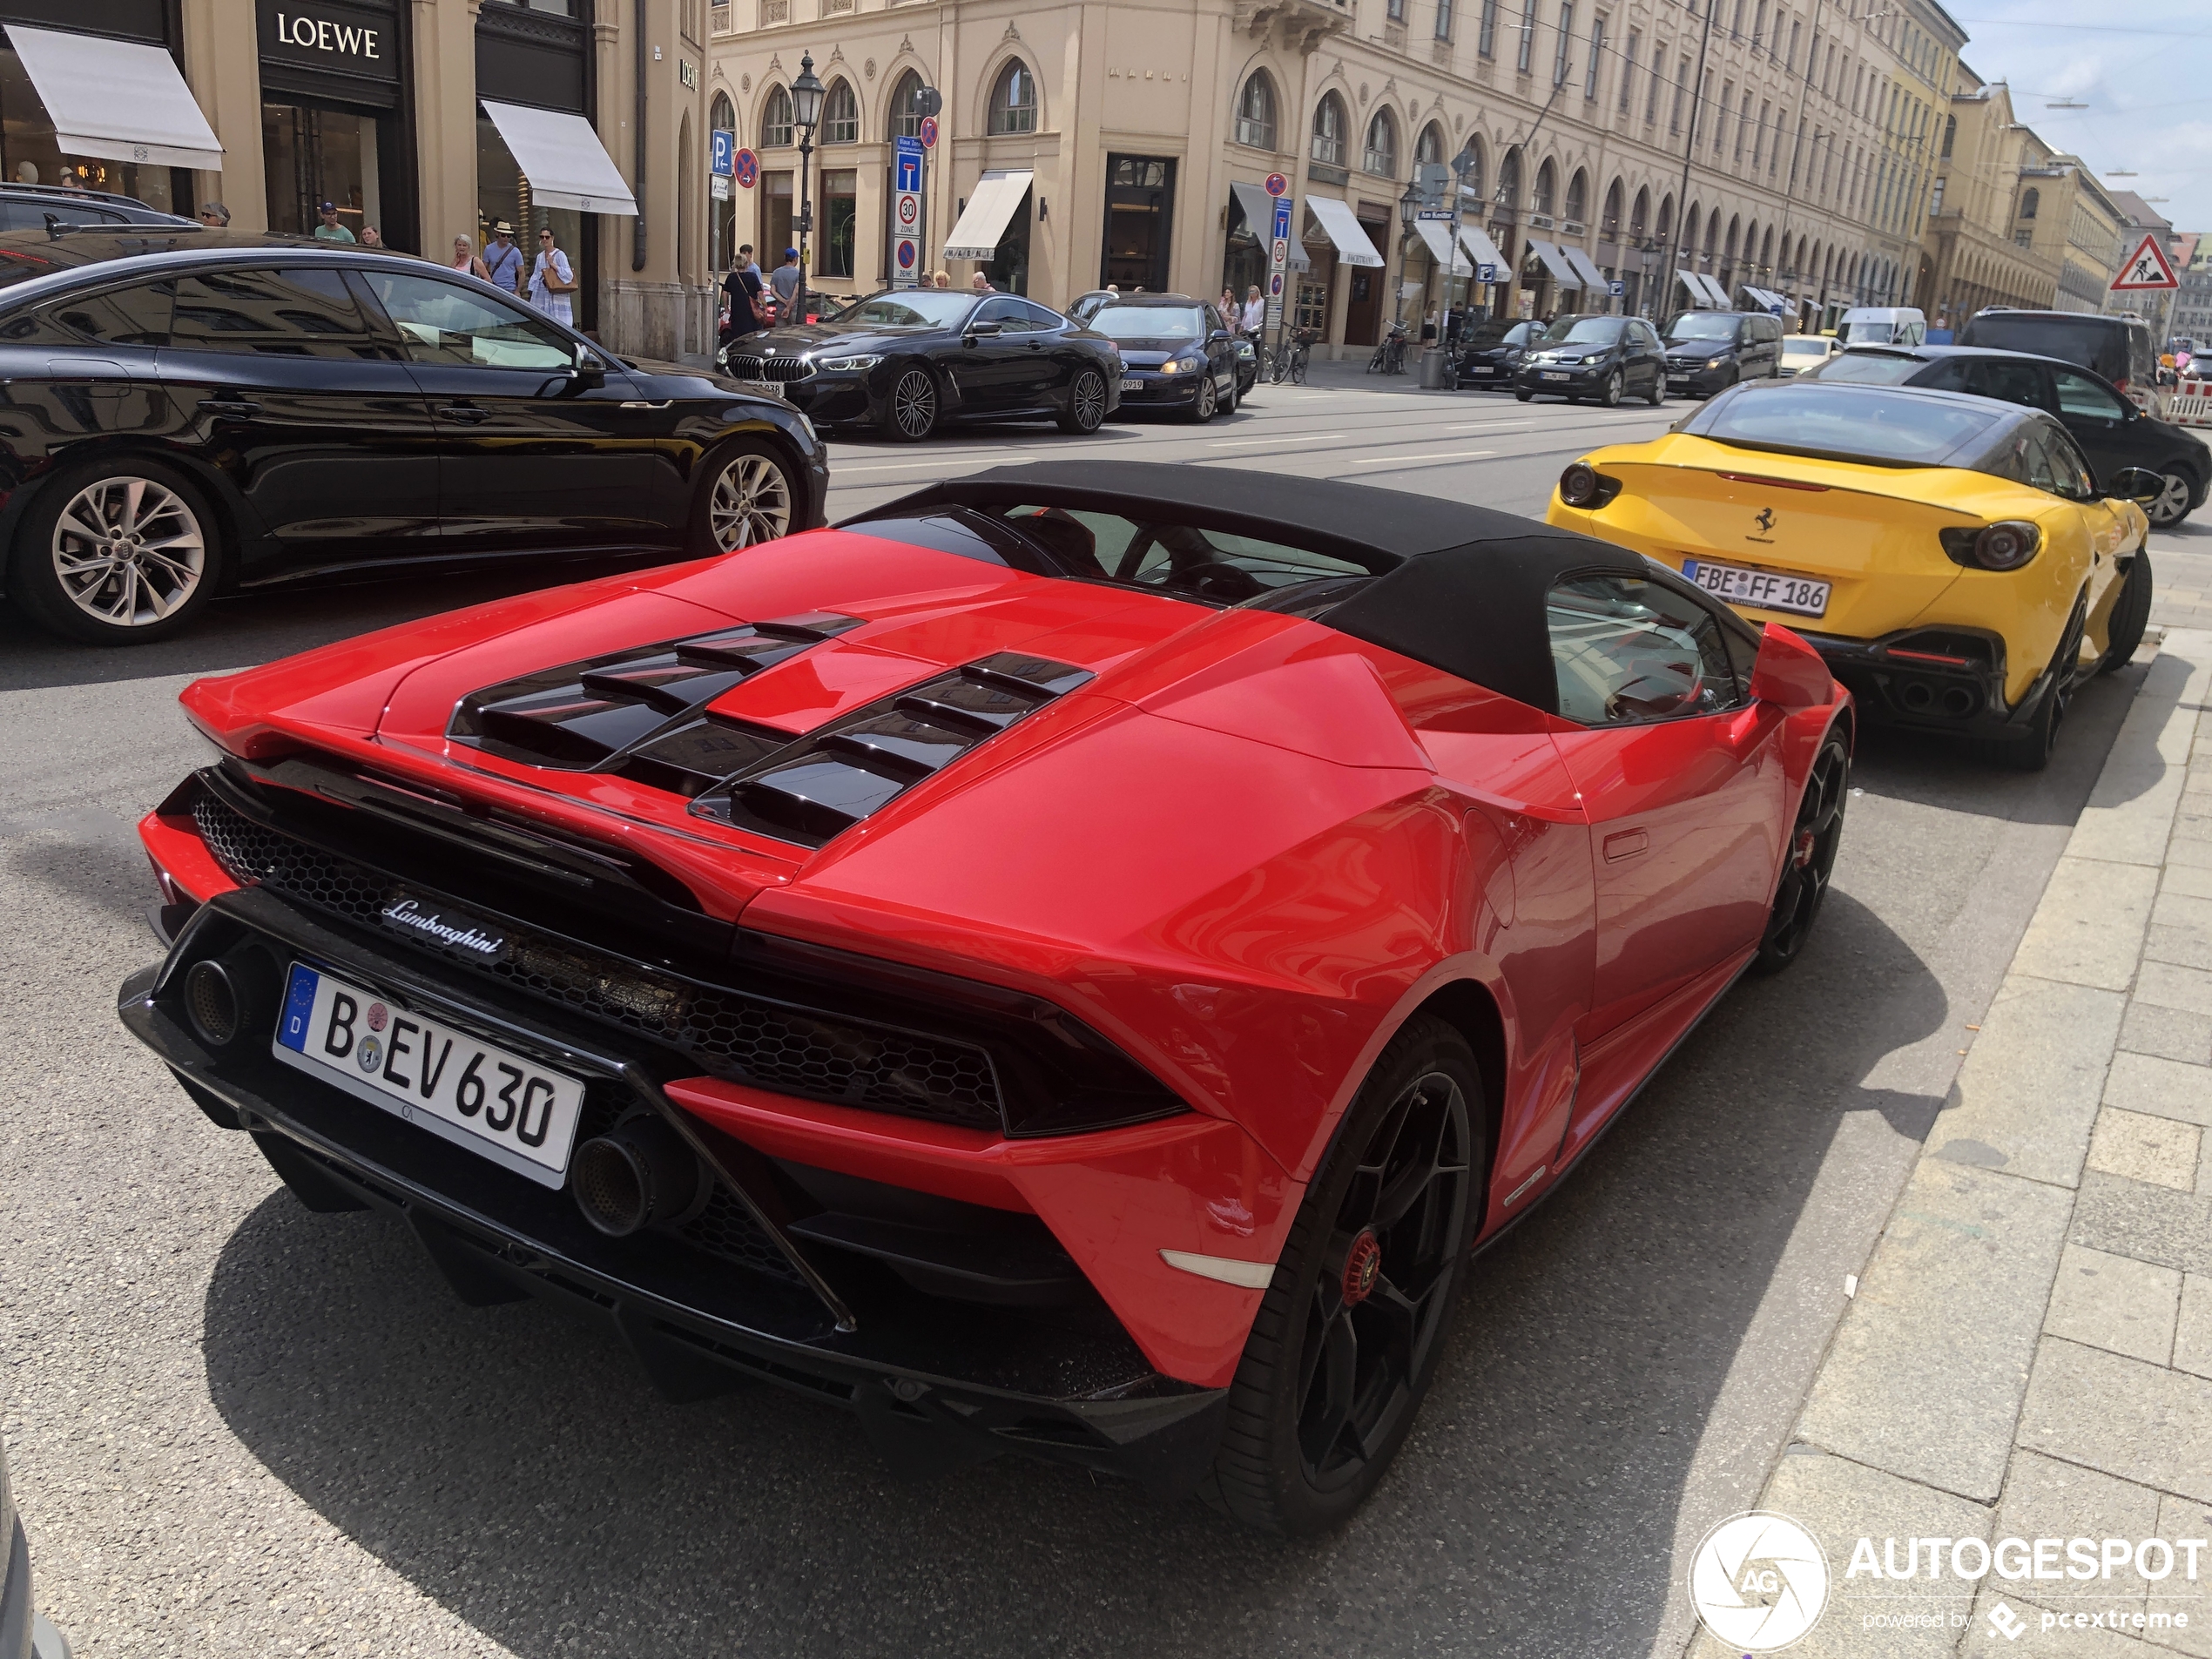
1881	326
207	412
29	207
1802	352
2116	346
1710	351
909	360
1176	354
1600	357
25	1633
1137	864
2113	433
1491	353
1962	566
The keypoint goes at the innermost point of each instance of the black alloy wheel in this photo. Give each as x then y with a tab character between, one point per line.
2031	751
1086	410
1809	859
910	409
115	552
2172	504
1348	1335
2130	614
1611	396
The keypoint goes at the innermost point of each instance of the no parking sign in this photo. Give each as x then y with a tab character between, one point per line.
746	169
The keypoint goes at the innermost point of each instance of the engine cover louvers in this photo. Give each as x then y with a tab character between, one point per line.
831	779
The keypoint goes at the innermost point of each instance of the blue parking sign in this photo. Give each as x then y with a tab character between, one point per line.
724	153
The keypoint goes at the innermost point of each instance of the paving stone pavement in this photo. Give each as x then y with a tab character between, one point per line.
2028	1352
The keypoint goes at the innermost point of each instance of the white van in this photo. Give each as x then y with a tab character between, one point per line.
1883	326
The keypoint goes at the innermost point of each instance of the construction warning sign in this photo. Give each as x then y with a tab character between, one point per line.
2147	267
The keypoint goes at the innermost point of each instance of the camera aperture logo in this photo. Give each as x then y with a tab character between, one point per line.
1759	1581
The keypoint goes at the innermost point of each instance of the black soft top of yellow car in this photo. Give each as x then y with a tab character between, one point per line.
1875	426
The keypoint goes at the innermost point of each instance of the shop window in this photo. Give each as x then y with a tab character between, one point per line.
1328	132
906	106
313	155
841	220
1013	100
775	220
503	192
1256	112
444	323
1140	218
1381	155
775	119
840	115
275	313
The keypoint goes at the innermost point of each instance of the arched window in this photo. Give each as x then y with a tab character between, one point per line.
906	106
1013	100
1256	112
1728	248
1578	196
1328	131
1712	232
1428	149
1382	145
1547	189
1608	224
1666	219
2030	200
1509	182
840	114
1472	183
1639	215
722	114
775	119
1950	134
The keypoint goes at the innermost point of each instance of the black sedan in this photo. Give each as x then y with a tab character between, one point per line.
1491	356
1177	355
191	414
2112	433
1599	357
909	360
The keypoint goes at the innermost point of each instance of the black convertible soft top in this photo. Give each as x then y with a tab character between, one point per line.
1460	588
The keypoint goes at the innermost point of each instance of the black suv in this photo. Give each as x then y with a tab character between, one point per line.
28	208
1602	357
1710	351
1490	354
2112	432
2117	346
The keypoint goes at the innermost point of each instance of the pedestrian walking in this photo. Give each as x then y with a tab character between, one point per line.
215	216
465	259
330	230
785	280
746	262
940	279
371	237
1255	318
551	281
1230	315
503	259
741	293
981	283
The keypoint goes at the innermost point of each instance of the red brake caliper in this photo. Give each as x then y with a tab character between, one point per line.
1362	1267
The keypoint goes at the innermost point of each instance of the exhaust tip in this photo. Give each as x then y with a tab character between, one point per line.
639	1175
211	1003
1959	701
1917	696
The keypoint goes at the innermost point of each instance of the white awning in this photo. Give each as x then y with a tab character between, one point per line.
1703	290
984	219
1437	235
563	158
1258	208
1586	267
1714	292
1770	298
115	98
1337	219
1555	263
1483	251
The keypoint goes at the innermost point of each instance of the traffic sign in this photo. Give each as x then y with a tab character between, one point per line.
907	253
2148	267
1275	285
1616	289
724	151
1485	273
909	209
907	164
745	166
1282	218
1277	184
929	133
718	186
1445	215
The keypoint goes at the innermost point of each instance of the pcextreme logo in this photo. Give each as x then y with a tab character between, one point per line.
1759	1581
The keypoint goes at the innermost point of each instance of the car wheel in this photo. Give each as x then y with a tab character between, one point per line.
1208	402
116	553
2031	751
750	496
1347	1337
2172	504
1611	396
1229	402
1813	841
2130	613
1086	403
1658	390
1523	397
910	409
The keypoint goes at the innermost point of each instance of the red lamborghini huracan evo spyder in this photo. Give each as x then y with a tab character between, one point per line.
1069	962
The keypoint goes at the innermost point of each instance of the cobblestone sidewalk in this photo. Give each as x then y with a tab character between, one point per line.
2028	1352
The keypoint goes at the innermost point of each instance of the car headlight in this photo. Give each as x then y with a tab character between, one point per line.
1714	362
846	365
1182	366
2006	545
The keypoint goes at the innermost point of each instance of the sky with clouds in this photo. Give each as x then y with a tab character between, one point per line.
2146	76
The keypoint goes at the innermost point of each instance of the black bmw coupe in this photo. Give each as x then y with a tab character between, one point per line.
909	360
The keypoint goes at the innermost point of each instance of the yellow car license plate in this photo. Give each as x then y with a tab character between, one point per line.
1762	589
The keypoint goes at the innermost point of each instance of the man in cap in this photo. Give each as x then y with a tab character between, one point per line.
330	230
503	259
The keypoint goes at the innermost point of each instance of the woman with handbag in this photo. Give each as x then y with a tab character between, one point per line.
552	280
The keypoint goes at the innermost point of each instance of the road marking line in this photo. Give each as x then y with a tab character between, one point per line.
1287	437
1447	455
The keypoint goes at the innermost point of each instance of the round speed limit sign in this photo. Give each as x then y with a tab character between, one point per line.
909	208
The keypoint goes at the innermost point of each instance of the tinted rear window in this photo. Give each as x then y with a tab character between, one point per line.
2099	345
1854	423
1868	369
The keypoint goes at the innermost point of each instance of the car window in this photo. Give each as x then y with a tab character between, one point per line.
1214	325
1646	335
914	308
2097	343
1702	325
1583	331
441	322
1040	318
2079	395
137	315
1628	651
277	314
2035	460
1005	312
1867	368
1150	322
2074	479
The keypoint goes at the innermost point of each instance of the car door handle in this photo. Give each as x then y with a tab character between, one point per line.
1036	345
467	413
228	406
1625	844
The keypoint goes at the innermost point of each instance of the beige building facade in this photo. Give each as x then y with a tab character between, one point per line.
425	119
1620	141
1986	210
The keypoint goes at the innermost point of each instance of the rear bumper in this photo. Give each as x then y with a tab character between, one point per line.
1911	690
933	1382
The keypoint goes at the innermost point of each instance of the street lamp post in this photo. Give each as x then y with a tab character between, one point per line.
1647	251
805	115
1408	205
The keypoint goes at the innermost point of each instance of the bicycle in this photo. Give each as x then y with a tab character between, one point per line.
1290	361
1390	355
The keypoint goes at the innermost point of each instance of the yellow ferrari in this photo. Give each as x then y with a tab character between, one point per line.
1952	557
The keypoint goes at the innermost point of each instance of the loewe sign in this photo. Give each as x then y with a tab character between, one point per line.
342	36
328	36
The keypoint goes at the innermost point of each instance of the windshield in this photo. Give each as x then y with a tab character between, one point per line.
2087	342
1702	325
1866	332
913	308
1584	331
1868	368
1150	322
1856	423
1805	345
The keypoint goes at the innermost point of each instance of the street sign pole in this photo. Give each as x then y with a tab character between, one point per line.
1279	268
906	244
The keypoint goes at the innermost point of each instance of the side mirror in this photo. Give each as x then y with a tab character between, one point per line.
2137	484
590	374
1789	673
1217	334
976	328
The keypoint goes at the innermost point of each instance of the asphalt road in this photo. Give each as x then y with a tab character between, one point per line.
237	1427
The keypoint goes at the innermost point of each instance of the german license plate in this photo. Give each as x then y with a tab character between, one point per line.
1762	589
502	1105
1556	374
1132	385
1480	369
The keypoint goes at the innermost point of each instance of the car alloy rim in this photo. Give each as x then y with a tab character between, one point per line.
1813	841
1378	1301
913	403
1090	400
128	552
751	503
2172	500
1205	397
